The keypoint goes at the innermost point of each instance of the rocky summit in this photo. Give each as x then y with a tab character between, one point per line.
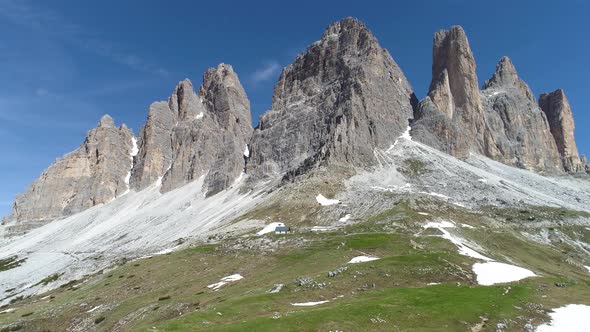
95	173
561	123
196	134
451	117
517	131
341	101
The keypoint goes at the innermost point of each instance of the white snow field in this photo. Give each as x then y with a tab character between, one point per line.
132	226
491	273
569	318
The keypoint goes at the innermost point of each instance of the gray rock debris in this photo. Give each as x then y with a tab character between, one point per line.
338	102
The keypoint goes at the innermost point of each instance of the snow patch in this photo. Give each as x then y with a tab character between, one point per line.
570	318
93	309
199	116
423	213
247	152
326	201
270	228
491	273
345	218
405	135
132	154
467	226
308	304
7	311
587	268
439	224
362	259
320	229
134	149
231	278
457	241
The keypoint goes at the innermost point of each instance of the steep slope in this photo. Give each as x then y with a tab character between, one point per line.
196	134
95	173
137	224
561	122
517	131
338	102
451	118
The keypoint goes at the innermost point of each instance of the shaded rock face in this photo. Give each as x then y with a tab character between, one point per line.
454	92
194	135
517	130
561	123
95	173
338	102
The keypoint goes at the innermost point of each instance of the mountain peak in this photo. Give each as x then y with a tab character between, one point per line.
561	122
345	24
106	121
505	74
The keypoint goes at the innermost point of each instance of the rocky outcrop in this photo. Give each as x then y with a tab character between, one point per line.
336	104
196	134
561	122
453	92
517	132
95	173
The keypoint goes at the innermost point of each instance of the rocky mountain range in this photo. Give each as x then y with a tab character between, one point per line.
341	103
469	207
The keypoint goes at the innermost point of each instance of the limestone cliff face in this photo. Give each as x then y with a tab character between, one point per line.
155	146
453	92
517	132
196	134
561	122
95	173
338	102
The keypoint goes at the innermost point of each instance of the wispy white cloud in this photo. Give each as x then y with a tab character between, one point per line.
51	23
266	72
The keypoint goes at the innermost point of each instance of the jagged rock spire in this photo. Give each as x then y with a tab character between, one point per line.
196	135
561	121
517	132
452	53
454	92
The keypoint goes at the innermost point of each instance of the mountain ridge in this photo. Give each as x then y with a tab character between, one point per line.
339	103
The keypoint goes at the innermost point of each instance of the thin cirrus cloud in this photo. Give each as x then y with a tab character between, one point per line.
266	72
52	24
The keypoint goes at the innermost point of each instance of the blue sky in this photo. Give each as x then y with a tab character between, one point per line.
65	63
